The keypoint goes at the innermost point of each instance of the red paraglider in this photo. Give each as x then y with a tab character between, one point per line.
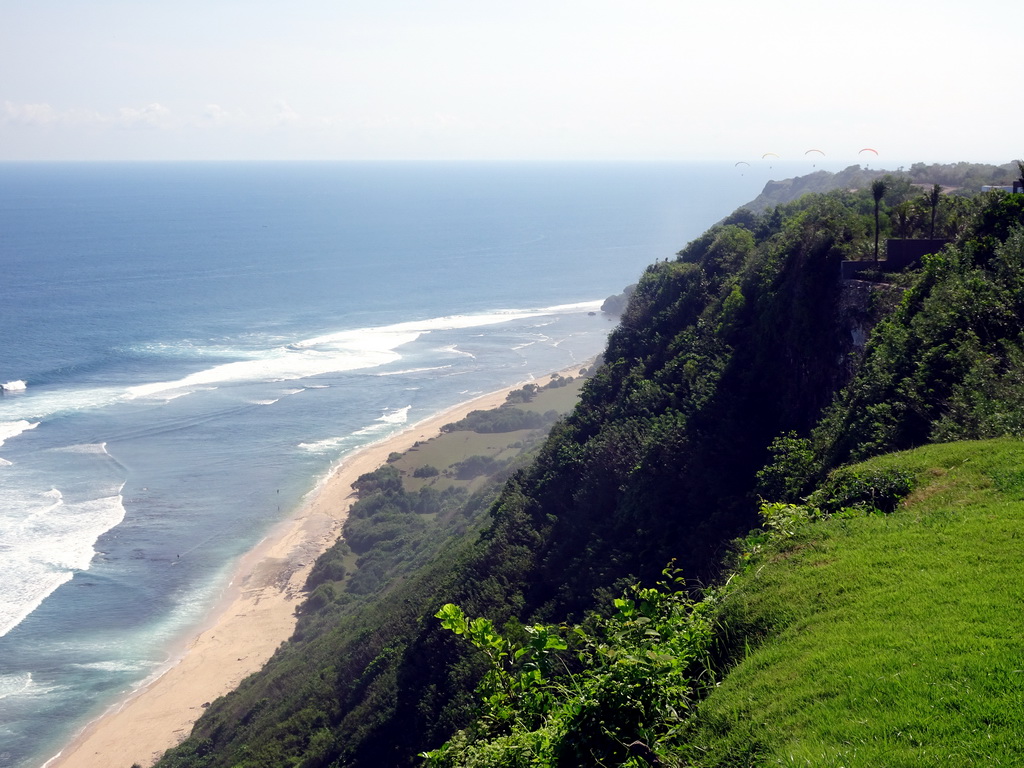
868	149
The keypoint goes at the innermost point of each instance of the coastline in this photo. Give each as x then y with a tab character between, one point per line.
254	617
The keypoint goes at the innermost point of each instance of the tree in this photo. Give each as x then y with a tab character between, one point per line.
878	188
933	201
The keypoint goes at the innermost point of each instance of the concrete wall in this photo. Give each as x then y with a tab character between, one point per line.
899	255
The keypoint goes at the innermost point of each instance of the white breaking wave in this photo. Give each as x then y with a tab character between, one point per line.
384	423
447	323
290	362
9	429
415	370
14	386
454	350
397	416
328	445
346	350
12	685
37	406
342	351
47	536
116	666
537	338
92	448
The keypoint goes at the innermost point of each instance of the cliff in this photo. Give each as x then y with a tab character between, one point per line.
743	369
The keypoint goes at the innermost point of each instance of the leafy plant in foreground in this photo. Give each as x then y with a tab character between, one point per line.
614	691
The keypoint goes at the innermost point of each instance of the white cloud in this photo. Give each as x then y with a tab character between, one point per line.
30	114
285	114
151	116
216	114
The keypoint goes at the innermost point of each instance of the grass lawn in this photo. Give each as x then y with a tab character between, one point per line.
886	640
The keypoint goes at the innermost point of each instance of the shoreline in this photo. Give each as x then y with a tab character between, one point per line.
255	615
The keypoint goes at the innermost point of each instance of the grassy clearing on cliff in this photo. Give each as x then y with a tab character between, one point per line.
885	640
436	463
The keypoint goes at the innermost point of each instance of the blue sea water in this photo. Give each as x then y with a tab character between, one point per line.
187	349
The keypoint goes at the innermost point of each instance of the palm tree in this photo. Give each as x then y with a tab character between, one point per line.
878	192
933	200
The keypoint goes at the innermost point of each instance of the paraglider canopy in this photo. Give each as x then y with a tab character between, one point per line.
816	152
868	149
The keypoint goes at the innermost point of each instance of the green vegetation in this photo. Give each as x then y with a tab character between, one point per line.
503	420
856	638
619	698
956	179
878	639
745	370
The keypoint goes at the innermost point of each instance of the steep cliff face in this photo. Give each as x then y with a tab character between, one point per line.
861	305
746	337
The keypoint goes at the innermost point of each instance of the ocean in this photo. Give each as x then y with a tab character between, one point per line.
186	350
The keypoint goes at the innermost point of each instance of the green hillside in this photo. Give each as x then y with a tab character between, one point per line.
857	637
884	639
744	370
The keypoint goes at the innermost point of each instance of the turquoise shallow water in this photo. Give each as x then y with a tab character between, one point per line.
187	349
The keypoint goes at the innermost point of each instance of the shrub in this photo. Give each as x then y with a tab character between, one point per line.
872	489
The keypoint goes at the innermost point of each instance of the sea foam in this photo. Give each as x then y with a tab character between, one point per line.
337	352
48	535
12	685
9	429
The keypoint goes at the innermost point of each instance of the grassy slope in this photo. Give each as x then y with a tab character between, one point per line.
887	640
445	450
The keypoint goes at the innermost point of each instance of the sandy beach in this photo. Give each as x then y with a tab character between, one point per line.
256	615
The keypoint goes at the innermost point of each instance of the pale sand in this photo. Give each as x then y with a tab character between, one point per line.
256	615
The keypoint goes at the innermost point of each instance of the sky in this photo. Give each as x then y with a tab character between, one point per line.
606	80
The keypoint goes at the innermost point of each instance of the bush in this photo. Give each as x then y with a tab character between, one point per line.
872	489
475	466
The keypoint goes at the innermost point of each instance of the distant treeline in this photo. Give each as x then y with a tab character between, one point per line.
504	419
